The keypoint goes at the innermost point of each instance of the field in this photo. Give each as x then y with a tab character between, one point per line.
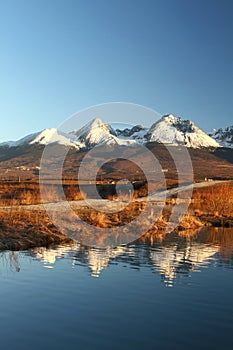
22	225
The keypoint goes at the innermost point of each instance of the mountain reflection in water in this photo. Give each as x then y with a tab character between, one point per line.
173	256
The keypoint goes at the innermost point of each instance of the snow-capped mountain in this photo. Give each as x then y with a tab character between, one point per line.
45	137
93	133
53	135
172	130
224	136
136	133
97	132
167	130
25	140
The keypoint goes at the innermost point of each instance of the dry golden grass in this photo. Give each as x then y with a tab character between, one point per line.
189	222
216	200
99	219
22	229
72	193
30	193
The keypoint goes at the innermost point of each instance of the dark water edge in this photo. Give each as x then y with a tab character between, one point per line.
159	292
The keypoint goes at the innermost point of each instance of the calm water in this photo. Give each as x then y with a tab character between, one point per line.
171	293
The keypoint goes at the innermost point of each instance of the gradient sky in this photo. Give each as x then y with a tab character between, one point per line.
60	56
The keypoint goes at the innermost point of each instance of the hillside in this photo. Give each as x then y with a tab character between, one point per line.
25	162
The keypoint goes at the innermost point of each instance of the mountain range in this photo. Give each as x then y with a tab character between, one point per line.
224	136
167	130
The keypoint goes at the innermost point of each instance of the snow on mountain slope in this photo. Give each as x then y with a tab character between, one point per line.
96	132
172	130
224	136
167	130
19	142
93	133
45	137
136	133
53	135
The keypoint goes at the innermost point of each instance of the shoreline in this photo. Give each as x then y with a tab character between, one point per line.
27	226
26	229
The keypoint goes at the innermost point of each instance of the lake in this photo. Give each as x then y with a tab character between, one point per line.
171	292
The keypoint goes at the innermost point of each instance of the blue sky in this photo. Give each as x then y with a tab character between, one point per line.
60	56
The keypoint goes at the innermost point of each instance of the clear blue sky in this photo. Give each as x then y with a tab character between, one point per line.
59	56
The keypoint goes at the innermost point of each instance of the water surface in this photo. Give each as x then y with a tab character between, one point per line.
159	292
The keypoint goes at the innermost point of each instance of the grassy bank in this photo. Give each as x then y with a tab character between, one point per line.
214	204
22	227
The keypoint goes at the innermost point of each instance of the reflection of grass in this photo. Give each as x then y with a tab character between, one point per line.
11	260
224	238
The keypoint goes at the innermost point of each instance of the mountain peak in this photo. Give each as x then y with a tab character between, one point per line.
96	122
169	118
172	130
93	133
